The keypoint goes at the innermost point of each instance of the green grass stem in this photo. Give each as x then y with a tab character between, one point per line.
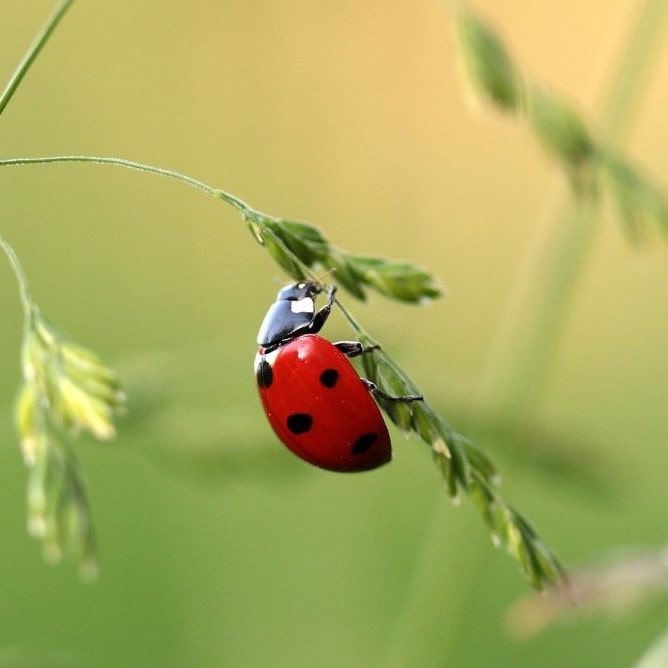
33	51
21	278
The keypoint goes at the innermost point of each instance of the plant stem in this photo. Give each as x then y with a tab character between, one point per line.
544	289
241	206
119	162
21	278
561	263
619	104
32	53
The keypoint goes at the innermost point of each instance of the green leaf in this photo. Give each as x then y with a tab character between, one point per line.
517	536
487	63
559	128
380	369
285	260
399	280
460	466
298	247
443	460
346	274
304	240
58	509
640	203
483	498
422	423
73	386
478	459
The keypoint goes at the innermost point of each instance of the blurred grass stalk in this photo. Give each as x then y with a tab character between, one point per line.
528	336
546	284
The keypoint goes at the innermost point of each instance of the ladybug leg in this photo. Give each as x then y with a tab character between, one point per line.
354	348
321	316
372	387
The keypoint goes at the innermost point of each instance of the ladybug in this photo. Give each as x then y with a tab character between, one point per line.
312	395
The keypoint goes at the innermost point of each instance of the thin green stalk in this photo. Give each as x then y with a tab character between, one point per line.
228	198
352	321
127	164
32	53
619	103
21	278
562	263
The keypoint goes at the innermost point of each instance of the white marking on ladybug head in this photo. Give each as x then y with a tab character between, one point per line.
304	305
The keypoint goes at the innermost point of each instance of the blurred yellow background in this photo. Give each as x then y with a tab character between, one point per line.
217	547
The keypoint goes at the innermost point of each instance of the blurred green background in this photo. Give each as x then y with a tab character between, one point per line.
217	547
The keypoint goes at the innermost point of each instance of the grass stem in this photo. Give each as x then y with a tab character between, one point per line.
119	162
32	52
21	278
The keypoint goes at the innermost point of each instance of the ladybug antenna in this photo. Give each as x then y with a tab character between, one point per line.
329	272
321	279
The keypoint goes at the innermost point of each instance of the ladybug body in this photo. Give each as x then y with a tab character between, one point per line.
319	407
313	397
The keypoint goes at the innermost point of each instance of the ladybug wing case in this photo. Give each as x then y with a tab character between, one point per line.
319	407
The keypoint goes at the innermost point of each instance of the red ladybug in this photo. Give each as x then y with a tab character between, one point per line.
315	401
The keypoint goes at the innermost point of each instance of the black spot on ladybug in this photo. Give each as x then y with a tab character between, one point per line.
363	443
299	423
329	377
264	374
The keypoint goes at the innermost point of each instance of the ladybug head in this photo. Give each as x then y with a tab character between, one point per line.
291	315
297	291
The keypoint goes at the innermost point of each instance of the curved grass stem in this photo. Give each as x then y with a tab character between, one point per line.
246	210
118	162
21	278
